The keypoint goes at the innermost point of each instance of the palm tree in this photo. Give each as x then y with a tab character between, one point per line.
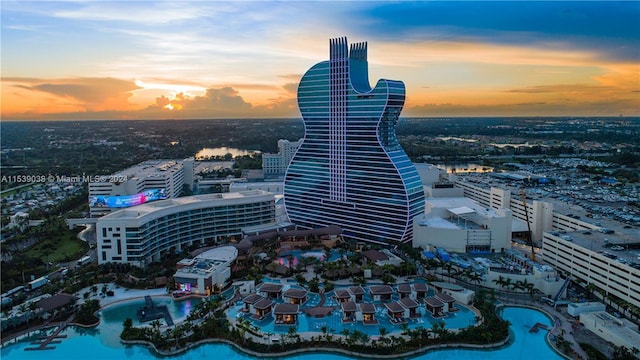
449	268
155	325
187	327
383	331
177	333
324	330
475	277
405	328
508	283
519	285
466	274
432	264
440	331
127	324
329	335
346	333
528	287
243	325
360	337
292	334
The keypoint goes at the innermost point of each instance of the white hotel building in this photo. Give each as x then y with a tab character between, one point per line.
275	165
170	175
573	246
140	234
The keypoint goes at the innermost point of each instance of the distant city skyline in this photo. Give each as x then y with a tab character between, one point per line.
205	59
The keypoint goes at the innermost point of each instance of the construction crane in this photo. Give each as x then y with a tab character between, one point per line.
526	214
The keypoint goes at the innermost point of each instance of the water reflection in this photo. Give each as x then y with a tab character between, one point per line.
464	167
209	153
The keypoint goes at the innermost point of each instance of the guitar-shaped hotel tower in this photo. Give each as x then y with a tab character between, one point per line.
350	170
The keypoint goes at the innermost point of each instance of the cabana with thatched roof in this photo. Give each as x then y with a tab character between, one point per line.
262	308
278	269
435	306
421	290
395	311
342	295
295	296
404	290
411	306
249	300
348	311
381	292
286	314
271	291
56	301
447	299
357	292
368	313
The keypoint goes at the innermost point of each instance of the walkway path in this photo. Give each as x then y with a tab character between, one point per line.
44	342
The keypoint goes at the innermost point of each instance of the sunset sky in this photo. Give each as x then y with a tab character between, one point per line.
217	59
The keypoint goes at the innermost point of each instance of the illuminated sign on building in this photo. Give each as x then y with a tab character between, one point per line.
127	200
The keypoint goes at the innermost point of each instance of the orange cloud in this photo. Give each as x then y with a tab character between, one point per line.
217	103
35	96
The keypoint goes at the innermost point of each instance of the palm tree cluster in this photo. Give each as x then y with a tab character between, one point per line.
206	320
86	312
520	285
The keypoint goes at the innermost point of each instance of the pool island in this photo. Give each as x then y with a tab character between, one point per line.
287	330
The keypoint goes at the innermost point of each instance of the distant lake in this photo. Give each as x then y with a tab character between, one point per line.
207	153
464	167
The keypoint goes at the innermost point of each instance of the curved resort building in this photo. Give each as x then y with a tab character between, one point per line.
350	169
138	235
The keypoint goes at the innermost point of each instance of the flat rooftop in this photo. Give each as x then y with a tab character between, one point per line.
461	205
615	326
147	208
441	223
605	244
462	213
151	168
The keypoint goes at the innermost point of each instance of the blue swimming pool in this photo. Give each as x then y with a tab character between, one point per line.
91	344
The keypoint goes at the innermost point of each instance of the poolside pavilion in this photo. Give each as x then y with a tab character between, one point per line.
381	292
368	313
411	306
262	309
342	295
448	300
404	290
395	312
271	291
421	290
348	311
435	306
357	292
295	296
249	300
286	314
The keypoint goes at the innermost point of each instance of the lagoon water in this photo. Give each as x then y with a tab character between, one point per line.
101	343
